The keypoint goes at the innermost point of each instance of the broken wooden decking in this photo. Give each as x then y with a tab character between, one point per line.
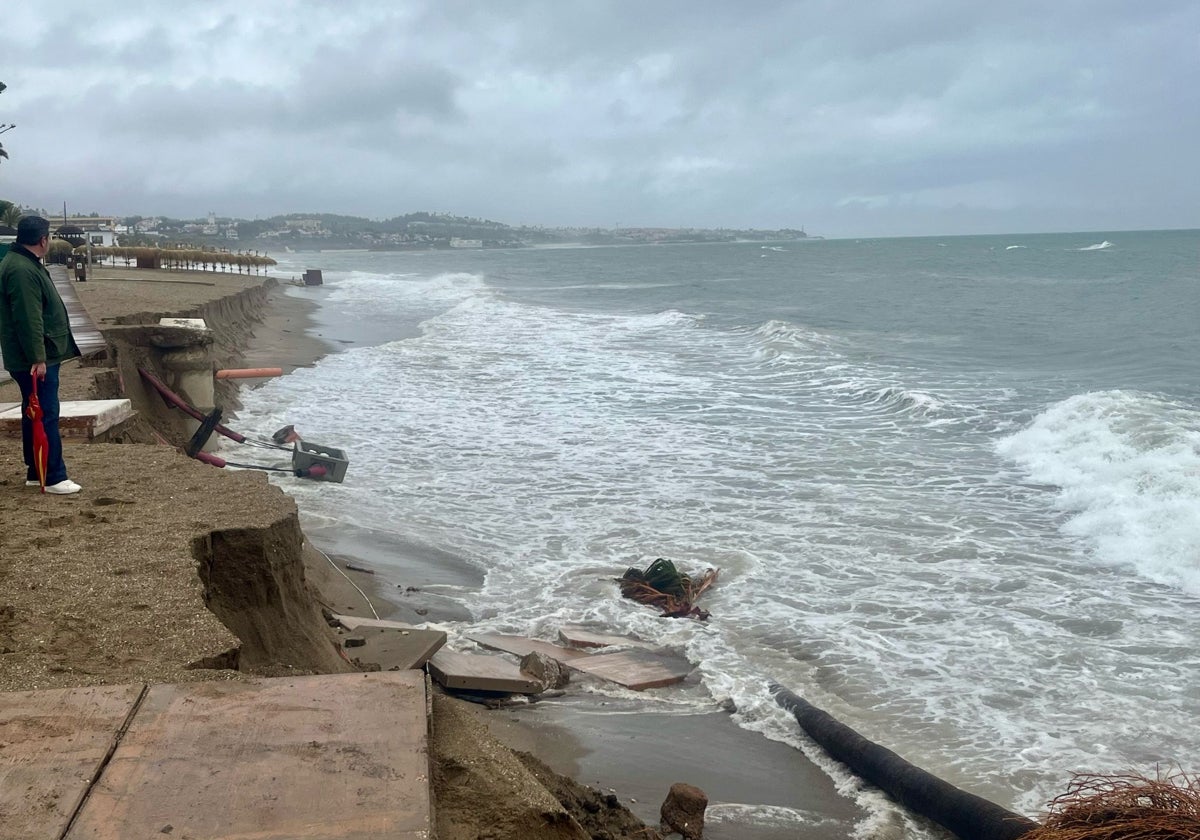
390	645
471	672
637	669
581	637
343	756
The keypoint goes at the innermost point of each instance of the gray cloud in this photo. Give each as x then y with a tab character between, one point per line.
879	118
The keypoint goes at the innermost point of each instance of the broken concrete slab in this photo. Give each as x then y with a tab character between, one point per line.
521	646
54	744
342	756
635	669
472	672
353	622
577	636
393	649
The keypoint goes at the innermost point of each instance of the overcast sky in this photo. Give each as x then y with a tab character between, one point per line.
847	118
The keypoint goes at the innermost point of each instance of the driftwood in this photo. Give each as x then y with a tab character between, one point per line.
662	585
1124	807
968	816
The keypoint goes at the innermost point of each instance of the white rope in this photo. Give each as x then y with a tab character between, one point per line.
370	606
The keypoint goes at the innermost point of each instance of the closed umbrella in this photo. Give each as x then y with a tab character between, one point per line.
41	444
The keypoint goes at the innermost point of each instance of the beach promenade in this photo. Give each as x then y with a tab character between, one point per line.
308	757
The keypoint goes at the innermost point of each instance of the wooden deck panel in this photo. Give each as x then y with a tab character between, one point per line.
78	420
582	637
86	335
326	757
522	646
353	622
636	669
393	648
52	744
472	672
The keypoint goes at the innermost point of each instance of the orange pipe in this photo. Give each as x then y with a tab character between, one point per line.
249	373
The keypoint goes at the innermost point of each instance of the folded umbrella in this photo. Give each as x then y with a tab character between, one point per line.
41	444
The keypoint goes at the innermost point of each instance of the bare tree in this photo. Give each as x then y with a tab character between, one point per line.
3	126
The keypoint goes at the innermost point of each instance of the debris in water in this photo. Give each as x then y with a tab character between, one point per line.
662	585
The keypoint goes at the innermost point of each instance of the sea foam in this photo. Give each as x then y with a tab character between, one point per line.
1127	471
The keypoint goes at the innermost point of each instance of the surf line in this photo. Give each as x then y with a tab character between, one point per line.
967	815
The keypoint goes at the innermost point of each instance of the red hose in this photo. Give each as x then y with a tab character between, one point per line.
209	458
178	401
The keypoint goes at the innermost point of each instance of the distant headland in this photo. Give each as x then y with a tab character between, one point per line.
413	231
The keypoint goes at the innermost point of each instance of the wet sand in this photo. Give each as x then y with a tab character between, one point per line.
625	747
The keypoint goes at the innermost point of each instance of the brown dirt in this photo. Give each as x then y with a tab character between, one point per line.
102	587
601	815
486	790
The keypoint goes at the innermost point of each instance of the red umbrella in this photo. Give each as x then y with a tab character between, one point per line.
41	445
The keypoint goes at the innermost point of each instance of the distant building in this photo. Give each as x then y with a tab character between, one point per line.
466	243
93	230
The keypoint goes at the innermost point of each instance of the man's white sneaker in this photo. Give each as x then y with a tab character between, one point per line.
64	488
33	483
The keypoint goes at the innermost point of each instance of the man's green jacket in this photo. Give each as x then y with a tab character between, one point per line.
34	325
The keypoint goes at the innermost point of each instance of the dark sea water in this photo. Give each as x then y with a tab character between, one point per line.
952	485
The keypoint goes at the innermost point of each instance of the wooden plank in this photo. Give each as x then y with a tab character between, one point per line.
396	648
83	328
52	744
521	646
77	419
480	673
635	669
581	637
342	756
353	622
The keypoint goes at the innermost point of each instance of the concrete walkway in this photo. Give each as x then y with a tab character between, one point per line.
343	756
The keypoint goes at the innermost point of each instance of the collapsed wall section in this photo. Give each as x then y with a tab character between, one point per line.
254	583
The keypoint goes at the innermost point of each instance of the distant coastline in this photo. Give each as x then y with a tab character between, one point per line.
411	232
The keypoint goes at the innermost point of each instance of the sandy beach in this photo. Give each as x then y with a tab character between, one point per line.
102	588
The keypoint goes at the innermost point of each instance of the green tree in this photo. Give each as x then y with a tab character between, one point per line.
10	214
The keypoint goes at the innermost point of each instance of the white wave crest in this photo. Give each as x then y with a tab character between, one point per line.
903	399
1099	246
774	816
372	288
1127	469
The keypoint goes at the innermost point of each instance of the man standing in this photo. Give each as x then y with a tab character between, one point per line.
35	338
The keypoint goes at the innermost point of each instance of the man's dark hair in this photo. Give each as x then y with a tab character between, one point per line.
31	229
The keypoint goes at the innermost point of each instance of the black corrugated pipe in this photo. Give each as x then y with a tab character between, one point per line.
969	816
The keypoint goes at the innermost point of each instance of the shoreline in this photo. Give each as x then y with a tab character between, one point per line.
635	754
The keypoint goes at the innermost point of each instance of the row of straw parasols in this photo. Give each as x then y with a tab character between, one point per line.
182	258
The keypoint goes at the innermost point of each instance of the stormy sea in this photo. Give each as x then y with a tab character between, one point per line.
952	484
